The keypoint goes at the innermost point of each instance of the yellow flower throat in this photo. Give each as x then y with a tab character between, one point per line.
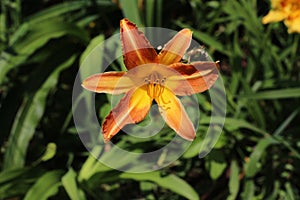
155	85
155	89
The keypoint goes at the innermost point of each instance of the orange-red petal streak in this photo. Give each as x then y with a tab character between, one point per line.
132	108
174	50
192	78
108	82
136	48
175	115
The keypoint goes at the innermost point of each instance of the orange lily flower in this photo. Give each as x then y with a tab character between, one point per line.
152	76
287	10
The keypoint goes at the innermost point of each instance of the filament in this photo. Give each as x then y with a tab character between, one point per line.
155	90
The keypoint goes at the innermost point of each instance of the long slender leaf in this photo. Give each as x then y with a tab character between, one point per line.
171	182
234	183
286	122
274	94
251	167
71	186
45	187
27	120
249	190
15	182
35	36
131	11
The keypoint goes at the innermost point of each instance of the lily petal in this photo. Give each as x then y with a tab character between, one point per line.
108	82
174	50
136	48
192	78
175	115
293	23
132	108
274	16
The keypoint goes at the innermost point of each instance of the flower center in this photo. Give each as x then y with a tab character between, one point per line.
155	87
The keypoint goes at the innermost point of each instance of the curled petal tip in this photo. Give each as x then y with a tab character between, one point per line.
189	134
84	84
125	24
187	32
137	50
123	21
218	65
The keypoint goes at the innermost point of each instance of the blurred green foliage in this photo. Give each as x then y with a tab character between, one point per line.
42	44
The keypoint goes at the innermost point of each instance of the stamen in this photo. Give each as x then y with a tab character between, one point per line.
163	81
148	90
151	88
155	88
161	90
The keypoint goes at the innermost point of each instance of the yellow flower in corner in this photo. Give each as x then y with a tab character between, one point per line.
287	10
152	76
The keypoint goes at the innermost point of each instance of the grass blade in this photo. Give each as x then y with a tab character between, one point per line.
274	94
45	187
27	120
131	11
251	167
70	185
171	182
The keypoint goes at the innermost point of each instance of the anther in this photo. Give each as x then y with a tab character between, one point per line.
163	80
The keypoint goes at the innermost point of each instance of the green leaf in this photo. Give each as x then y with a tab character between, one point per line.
50	152
11	174
45	187
235	124
209	40
171	182
252	167
215	164
16	182
284	125
274	94
275	192
253	106
131	11
92	166
289	191
87	52
194	149
30	37
40	33
70	185
159	12
57	11
27	120
234	183
249	189
149	12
